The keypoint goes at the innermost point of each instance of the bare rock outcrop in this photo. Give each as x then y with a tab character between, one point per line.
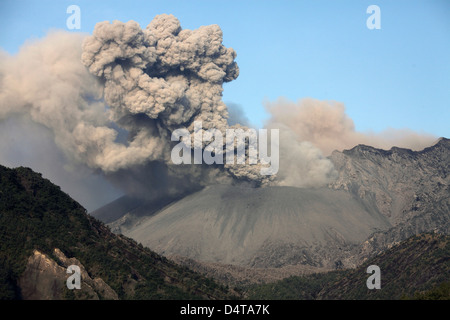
45	279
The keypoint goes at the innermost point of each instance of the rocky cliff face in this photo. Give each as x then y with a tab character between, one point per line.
399	183
411	189
45	279
380	198
415	265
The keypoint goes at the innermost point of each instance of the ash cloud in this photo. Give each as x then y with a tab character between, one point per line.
45	94
326	125
26	143
169	76
47	82
110	101
236	115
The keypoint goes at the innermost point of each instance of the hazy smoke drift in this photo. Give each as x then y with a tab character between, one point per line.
310	129
116	112
46	81
139	85
326	125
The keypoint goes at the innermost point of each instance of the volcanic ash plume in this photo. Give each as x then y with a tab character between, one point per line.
113	99
326	125
47	82
158	80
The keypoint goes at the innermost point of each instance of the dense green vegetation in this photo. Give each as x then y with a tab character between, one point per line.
440	292
294	288
35	214
417	268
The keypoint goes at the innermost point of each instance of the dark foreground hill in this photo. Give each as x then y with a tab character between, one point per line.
417	268
43	231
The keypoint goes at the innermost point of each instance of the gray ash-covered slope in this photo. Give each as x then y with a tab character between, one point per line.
399	182
411	189
135	206
380	198
263	227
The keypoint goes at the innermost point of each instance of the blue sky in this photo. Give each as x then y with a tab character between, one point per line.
398	76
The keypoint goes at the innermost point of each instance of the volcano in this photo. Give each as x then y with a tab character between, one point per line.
380	197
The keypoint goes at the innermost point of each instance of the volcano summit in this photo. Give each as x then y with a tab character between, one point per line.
379	198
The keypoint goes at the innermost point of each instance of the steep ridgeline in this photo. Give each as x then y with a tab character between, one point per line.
411	189
379	198
416	268
43	231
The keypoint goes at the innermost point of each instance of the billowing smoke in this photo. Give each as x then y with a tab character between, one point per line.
301	163
24	142
162	75
236	115
326	125
111	101
159	79
46	96
46	81
311	129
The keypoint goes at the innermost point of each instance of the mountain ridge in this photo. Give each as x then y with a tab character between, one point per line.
406	189
42	230
410	188
412	269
